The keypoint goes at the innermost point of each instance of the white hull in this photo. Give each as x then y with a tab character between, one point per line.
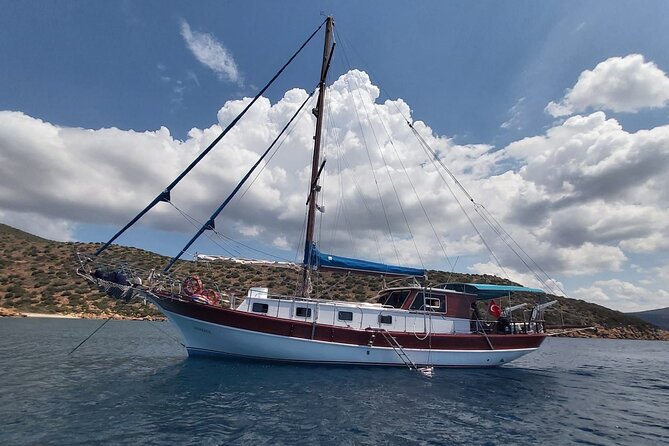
213	339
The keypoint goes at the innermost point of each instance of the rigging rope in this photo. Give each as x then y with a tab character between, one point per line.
433	156
340	205
210	223
376	182
165	195
399	158
479	209
485	215
272	155
549	279
390	178
225	238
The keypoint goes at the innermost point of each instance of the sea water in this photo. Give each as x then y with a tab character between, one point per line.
132	383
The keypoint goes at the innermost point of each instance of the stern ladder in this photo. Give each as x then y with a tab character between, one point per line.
398	349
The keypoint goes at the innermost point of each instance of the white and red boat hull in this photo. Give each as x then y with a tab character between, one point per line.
217	331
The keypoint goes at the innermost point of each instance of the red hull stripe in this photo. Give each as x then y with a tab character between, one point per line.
328	333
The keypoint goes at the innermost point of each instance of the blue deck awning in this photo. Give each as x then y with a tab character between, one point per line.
486	291
329	262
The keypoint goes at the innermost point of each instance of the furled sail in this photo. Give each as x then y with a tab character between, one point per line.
328	262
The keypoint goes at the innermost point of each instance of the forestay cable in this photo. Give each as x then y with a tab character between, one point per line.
210	223
165	195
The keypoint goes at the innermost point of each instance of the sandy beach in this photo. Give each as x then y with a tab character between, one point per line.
7	312
10	312
47	315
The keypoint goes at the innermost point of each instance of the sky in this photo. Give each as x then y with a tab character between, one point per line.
553	116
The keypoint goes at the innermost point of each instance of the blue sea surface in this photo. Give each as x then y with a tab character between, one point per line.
132	383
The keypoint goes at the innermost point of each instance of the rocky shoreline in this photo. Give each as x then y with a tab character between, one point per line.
10	312
626	332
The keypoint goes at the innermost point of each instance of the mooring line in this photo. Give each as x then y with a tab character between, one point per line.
166	333
89	336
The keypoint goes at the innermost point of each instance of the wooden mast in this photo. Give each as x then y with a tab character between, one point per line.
315	170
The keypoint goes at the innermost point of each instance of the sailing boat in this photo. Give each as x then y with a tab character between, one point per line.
416	325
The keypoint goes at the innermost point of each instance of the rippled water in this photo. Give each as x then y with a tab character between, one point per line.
133	383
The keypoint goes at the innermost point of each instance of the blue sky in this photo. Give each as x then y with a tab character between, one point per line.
461	66
479	74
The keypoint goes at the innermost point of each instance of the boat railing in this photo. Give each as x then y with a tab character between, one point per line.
524	327
121	279
320	300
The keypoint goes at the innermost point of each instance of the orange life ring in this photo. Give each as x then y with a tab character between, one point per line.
192	285
212	296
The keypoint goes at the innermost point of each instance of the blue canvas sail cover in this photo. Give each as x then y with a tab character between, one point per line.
485	291
329	262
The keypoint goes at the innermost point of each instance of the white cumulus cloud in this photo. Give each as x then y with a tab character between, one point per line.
211	53
662	273
583	197
623	296
587	180
38	224
620	84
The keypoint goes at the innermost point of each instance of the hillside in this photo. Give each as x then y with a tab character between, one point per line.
659	317
38	275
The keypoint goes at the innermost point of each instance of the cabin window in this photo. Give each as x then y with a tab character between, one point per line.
385	319
303	312
418	302
395	299
433	302
345	316
259	308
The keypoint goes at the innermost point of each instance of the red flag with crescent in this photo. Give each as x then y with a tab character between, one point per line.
494	309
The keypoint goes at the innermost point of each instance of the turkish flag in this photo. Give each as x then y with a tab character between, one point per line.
494	309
